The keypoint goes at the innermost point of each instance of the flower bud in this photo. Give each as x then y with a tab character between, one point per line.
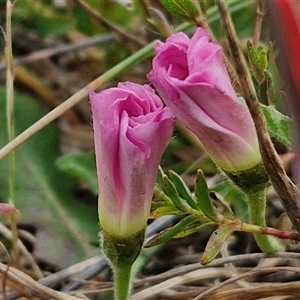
131	131
190	76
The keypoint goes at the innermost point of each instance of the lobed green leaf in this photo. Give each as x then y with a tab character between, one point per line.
279	125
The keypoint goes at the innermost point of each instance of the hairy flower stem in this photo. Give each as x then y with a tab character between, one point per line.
257	212
122	253
122	282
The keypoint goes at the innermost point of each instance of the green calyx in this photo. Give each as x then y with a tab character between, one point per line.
251	180
122	252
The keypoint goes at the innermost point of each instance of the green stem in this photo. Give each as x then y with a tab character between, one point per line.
257	213
122	253
122	282
10	98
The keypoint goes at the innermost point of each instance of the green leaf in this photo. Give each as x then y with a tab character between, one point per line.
163	210
171	192
279	125
160	177
185	10
81	166
169	233
216	241
192	228
183	189
66	227
202	196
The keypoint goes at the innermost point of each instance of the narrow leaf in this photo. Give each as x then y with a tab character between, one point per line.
183	189
192	228
170	190
169	233
162	210
160	177
203	198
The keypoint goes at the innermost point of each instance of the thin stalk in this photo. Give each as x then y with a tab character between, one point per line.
11	126
122	282
10	98
281	234
257	214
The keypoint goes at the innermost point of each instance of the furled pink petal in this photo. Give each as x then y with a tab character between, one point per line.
131	131
190	76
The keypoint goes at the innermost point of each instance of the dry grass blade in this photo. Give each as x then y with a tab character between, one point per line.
7	234
208	293
179	280
263	291
195	280
30	286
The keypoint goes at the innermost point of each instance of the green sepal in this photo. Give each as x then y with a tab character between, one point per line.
169	233
122	251
250	180
185	10
183	189
279	126
171	192
203	198
216	241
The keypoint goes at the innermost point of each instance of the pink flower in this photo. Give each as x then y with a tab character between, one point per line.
190	76
131	131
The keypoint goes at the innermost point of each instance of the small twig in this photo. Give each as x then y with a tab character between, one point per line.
122	34
284	187
260	13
